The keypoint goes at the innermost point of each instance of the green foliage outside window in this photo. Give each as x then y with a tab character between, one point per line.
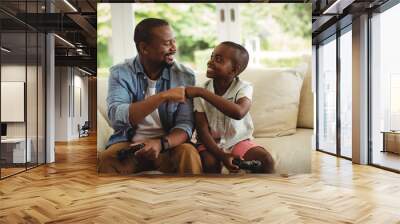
279	27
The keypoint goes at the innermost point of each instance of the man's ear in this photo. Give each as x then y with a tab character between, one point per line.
143	47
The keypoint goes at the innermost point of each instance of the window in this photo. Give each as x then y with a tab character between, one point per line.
346	93
22	65
385	85
327	96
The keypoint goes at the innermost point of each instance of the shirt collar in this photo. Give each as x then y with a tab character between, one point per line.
165	74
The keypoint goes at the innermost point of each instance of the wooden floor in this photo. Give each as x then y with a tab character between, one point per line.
70	191
387	159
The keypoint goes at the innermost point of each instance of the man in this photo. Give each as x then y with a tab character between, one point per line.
146	104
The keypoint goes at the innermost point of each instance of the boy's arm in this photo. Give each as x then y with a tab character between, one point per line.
236	110
210	144
205	135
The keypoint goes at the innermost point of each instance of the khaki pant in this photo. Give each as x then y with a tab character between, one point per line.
183	159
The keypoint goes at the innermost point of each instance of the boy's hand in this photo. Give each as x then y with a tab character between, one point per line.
176	94
192	91
227	161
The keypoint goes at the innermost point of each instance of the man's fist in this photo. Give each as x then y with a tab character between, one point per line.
175	94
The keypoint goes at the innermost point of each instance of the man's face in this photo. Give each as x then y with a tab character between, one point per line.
162	46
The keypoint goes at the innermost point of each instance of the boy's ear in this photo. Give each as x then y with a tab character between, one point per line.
236	69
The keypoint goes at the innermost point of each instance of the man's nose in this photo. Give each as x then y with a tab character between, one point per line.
173	46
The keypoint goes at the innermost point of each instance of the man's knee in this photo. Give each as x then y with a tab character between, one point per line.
186	150
105	163
188	159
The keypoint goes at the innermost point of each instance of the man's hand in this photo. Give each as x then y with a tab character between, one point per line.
175	94
192	91
227	161
151	150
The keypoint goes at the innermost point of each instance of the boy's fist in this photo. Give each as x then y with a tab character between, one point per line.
192	91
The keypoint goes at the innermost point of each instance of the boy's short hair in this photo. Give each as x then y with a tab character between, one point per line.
241	58
143	30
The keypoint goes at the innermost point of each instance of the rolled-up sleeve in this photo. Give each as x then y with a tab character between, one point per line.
184	118
118	101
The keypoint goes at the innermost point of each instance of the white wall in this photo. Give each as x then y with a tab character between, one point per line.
69	85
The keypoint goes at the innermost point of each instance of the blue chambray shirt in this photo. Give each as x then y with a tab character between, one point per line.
127	84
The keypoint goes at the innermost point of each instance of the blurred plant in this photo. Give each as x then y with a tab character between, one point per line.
104	59
280	27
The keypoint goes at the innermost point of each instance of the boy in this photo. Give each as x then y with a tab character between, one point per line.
223	123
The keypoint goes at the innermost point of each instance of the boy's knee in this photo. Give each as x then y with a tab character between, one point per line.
211	165
268	164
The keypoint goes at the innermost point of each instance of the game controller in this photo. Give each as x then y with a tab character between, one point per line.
125	153
252	165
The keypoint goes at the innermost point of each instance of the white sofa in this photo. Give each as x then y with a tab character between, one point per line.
292	153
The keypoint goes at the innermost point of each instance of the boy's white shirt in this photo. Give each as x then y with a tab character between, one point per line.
225	130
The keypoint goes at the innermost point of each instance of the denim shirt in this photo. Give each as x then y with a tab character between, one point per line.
127	84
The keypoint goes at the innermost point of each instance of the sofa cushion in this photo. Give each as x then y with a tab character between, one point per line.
276	100
104	131
102	86
292	154
305	119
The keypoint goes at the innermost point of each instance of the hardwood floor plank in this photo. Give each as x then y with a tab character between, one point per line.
70	191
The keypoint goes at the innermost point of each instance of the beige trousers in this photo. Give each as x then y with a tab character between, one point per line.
183	159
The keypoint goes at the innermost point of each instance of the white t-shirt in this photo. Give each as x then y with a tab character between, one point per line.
150	127
226	131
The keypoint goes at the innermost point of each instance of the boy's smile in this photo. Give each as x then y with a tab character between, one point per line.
220	64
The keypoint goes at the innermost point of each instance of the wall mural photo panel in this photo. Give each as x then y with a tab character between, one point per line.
204	88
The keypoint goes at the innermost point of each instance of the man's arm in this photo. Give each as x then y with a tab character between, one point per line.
179	134
121	110
139	110
236	110
176	137
153	146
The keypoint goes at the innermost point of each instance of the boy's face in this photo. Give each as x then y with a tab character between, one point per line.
221	65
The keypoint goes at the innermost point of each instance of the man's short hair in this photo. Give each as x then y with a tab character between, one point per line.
143	30
241	58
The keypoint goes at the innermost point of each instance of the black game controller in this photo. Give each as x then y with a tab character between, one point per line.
252	165
125	153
